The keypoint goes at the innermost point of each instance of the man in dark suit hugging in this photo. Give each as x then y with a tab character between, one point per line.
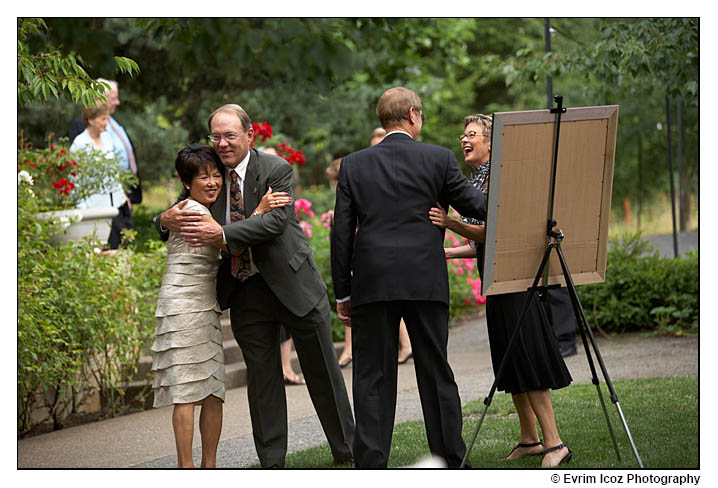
393	267
274	282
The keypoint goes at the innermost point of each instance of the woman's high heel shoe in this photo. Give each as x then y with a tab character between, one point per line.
520	444
345	361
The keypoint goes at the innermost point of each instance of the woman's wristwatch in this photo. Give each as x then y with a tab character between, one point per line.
255	213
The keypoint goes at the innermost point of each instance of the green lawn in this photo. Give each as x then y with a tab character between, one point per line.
661	413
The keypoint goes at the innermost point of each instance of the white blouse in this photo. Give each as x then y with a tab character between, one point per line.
115	198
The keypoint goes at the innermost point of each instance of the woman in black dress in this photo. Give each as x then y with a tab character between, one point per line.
535	365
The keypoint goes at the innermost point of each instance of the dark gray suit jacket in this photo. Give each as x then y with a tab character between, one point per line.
279	247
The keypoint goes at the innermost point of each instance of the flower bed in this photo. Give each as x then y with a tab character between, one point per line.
84	317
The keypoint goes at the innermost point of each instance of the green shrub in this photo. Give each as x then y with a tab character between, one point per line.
643	291
146	233
84	318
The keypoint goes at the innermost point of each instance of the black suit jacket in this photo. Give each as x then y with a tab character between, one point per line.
279	247
397	253
135	193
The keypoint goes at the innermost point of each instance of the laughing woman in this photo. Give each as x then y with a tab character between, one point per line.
188	362
535	365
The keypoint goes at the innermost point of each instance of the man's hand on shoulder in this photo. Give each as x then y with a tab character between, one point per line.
174	218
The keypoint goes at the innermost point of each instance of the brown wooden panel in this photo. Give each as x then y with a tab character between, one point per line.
519	194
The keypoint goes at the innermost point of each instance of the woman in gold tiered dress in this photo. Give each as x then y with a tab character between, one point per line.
188	362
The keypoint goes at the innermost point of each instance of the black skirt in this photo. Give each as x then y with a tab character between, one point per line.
535	362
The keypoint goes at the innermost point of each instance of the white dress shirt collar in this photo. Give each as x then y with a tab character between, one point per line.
398	131
241	168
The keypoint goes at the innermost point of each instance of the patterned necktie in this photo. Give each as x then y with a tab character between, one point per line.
240	259
128	148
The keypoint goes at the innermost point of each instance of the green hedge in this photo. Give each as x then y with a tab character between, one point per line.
644	291
84	320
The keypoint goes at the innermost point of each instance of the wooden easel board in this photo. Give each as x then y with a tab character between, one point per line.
519	193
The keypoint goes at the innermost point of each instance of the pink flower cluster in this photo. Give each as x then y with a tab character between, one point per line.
306	227
326	219
475	292
304	206
465	267
462	266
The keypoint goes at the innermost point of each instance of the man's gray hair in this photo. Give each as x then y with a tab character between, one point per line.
235	109
393	106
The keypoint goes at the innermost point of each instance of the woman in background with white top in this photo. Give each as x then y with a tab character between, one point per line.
95	137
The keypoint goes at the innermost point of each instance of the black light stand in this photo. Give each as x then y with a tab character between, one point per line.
554	242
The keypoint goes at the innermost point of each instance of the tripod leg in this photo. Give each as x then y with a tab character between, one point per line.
608	421
577	305
594	376
512	340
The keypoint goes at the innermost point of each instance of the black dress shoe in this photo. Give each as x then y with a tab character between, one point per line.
349	460
567	349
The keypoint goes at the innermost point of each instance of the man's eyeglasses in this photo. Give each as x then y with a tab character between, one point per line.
470	136
423	115
229	137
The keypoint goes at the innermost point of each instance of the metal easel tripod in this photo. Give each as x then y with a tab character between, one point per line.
554	239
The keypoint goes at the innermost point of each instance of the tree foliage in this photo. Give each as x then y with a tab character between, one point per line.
46	72
636	64
317	80
625	56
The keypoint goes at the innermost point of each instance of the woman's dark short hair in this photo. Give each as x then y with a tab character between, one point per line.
193	158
